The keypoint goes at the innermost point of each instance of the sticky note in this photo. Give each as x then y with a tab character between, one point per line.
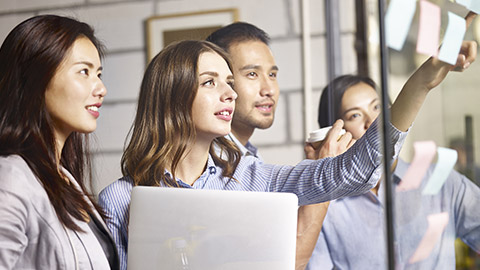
436	226
474	6
429	29
397	22
446	160
452	41
465	3
424	153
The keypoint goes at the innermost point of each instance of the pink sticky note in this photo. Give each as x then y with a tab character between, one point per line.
424	153
429	29
436	226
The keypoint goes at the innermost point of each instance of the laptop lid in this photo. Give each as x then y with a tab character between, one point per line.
176	228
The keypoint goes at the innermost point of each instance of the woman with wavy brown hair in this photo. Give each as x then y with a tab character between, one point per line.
164	125
50	92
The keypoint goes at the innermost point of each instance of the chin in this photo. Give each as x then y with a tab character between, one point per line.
223	134
87	130
264	125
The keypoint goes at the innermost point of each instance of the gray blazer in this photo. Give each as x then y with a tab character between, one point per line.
31	235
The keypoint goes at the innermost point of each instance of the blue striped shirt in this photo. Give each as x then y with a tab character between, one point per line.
313	181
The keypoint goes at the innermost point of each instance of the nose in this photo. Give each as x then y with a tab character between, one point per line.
369	118
368	121
229	94
267	87
100	90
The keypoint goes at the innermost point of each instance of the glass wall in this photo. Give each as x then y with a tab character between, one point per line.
426	220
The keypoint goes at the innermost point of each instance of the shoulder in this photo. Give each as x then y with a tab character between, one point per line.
117	193
458	185
16	176
22	192
13	164
252	163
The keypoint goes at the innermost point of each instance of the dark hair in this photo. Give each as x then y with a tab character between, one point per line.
237	32
29	59
163	127
338	87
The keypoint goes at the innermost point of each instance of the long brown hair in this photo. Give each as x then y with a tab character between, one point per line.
163	127
29	58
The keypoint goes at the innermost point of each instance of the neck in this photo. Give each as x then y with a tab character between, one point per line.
59	143
193	164
242	133
375	189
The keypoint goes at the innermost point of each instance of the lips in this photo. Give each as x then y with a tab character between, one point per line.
225	114
93	109
265	107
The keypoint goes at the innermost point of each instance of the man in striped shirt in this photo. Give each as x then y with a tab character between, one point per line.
255	74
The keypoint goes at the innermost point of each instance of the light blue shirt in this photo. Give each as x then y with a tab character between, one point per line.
353	232
313	181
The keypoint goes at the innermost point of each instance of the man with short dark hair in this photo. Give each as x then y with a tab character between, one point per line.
255	74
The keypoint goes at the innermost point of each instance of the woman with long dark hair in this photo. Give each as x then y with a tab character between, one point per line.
342	245
50	93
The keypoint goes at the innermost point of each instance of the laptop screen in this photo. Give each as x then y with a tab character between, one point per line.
174	228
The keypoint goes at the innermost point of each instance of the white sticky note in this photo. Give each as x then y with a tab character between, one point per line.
446	160
397	22
452	41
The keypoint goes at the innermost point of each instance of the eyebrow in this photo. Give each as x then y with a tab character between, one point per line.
215	74
211	73
89	64
257	67
357	108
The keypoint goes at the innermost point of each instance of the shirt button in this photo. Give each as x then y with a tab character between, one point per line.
213	170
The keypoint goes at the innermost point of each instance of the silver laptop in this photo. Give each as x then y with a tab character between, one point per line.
174	228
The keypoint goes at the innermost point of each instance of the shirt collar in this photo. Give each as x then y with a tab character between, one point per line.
210	170
396	178
247	150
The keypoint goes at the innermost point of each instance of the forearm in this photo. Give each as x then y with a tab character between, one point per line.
429	75
310	220
408	104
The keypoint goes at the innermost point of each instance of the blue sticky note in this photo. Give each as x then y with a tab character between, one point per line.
452	41
446	160
474	6
397	22
465	3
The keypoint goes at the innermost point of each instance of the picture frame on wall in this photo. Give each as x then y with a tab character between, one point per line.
165	29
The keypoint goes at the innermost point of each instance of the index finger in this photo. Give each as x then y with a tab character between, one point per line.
469	49
334	132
